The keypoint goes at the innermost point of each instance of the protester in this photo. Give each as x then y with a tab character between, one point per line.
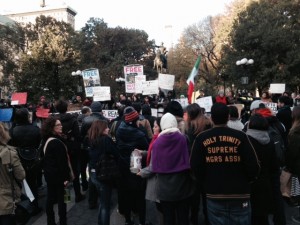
71	135
196	123
101	143
223	160
147	173
262	195
27	136
234	122
56	169
9	156
170	161
96	114
131	188
293	152
176	110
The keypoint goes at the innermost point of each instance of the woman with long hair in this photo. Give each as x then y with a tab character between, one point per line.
101	143
293	149
9	158
196	122
56	169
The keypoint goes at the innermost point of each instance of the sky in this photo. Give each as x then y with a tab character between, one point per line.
162	20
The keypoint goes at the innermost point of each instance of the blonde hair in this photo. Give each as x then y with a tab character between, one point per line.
4	135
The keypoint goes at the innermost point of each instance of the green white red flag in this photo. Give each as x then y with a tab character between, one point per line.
191	79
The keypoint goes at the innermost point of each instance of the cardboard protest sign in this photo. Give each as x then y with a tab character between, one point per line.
150	87
183	102
277	88
42	113
19	98
205	102
166	81
102	93
130	71
139	79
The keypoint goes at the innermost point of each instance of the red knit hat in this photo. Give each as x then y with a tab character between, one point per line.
130	114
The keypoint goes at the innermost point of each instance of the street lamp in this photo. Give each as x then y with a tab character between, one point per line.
78	74
244	62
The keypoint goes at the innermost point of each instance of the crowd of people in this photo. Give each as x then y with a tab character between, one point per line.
189	157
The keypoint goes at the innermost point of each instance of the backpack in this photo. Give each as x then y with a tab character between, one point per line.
280	148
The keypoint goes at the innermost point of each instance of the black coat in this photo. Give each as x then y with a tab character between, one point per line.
129	138
262	194
55	164
25	135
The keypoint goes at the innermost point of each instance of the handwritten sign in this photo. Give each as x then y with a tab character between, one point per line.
166	81
273	106
205	102
102	93
139	79
150	87
183	101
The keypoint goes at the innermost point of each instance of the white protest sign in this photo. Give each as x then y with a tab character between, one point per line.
150	87
277	88
272	105
166	81
130	72
101	93
139	79
205	102
154	112
183	101
110	114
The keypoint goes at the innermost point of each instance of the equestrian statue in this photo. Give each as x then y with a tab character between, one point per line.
160	61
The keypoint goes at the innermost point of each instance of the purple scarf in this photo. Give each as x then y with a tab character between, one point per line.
170	153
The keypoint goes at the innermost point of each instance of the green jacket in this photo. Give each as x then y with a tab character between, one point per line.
9	155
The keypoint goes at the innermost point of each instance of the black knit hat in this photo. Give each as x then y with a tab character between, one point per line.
174	108
96	107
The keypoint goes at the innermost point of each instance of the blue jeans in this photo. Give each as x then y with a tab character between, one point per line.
104	192
229	212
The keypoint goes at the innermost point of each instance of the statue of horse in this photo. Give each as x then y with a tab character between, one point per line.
158	63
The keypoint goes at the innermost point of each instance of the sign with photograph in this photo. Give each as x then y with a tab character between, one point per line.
130	71
166	81
91	79
101	93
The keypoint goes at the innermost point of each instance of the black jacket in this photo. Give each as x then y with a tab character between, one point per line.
225	163
25	135
55	165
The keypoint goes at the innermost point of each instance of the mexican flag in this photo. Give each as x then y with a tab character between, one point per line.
190	81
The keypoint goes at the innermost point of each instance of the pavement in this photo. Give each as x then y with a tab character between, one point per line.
80	214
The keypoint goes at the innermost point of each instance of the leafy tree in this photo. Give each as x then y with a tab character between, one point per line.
11	37
109	49
48	59
268	32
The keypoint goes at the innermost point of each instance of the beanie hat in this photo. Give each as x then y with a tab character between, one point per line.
168	121
174	108
130	114
96	107
255	104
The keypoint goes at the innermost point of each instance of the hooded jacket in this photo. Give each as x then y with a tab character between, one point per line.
9	155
